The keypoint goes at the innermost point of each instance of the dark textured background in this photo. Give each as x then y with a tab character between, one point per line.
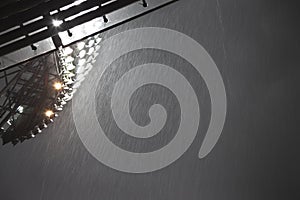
256	47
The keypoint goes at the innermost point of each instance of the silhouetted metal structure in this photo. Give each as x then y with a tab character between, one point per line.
26	93
28	99
34	92
26	27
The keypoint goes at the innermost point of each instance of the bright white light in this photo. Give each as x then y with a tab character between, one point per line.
9	122
91	50
108	2
91	43
82	53
67	51
80	45
78	2
98	40
81	62
20	109
63	103
59	108
57	23
97	47
69	59
81	13
57	86
49	113
96	36
70	67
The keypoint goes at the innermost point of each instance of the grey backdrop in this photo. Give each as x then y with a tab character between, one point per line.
256	47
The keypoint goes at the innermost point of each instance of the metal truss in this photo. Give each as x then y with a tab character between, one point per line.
33	28
26	27
33	92
25	95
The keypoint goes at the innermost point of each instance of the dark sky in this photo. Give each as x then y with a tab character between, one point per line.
5	2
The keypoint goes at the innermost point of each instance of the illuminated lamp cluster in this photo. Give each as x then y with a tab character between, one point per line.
76	62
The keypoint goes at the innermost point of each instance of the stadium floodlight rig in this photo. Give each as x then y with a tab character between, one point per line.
46	51
30	28
76	61
33	93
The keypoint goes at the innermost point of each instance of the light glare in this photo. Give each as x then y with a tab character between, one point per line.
57	23
57	86
82	53
67	51
80	45
78	2
49	113
69	59
70	67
